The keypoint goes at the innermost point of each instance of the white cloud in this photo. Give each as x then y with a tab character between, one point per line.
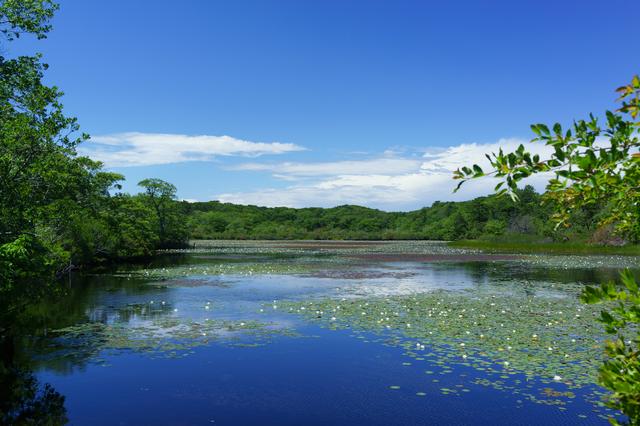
391	166
145	149
405	184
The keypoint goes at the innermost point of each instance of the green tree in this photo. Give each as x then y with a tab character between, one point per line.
161	197
593	165
26	16
37	171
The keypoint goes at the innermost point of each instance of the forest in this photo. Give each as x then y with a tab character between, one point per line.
492	217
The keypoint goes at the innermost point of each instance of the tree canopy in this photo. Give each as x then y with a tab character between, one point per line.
58	210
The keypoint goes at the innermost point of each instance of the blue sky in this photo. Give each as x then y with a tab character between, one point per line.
328	102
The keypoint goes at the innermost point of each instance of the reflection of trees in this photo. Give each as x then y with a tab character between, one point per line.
85	301
23	400
27	344
521	277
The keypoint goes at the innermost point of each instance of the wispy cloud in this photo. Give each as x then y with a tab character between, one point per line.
391	166
145	149
404	184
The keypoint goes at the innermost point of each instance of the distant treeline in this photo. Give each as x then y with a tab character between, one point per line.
484	217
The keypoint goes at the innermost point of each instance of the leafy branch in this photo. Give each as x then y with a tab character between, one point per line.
591	164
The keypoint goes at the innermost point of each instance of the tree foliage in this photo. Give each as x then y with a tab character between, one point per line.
58	210
160	196
592	164
620	372
26	16
484	217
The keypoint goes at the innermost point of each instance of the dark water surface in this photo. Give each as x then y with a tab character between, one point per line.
259	333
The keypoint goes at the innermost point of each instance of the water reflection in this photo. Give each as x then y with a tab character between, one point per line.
23	399
121	314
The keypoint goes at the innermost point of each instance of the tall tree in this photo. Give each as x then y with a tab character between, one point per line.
160	195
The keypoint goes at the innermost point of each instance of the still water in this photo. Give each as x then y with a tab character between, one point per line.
231	333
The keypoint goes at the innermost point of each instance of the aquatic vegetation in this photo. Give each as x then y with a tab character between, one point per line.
161	337
512	324
550	340
319	255
218	269
577	262
546	248
314	248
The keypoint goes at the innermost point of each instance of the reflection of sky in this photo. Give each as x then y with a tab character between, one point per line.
295	377
252	297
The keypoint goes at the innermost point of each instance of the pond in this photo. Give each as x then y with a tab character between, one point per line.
358	333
